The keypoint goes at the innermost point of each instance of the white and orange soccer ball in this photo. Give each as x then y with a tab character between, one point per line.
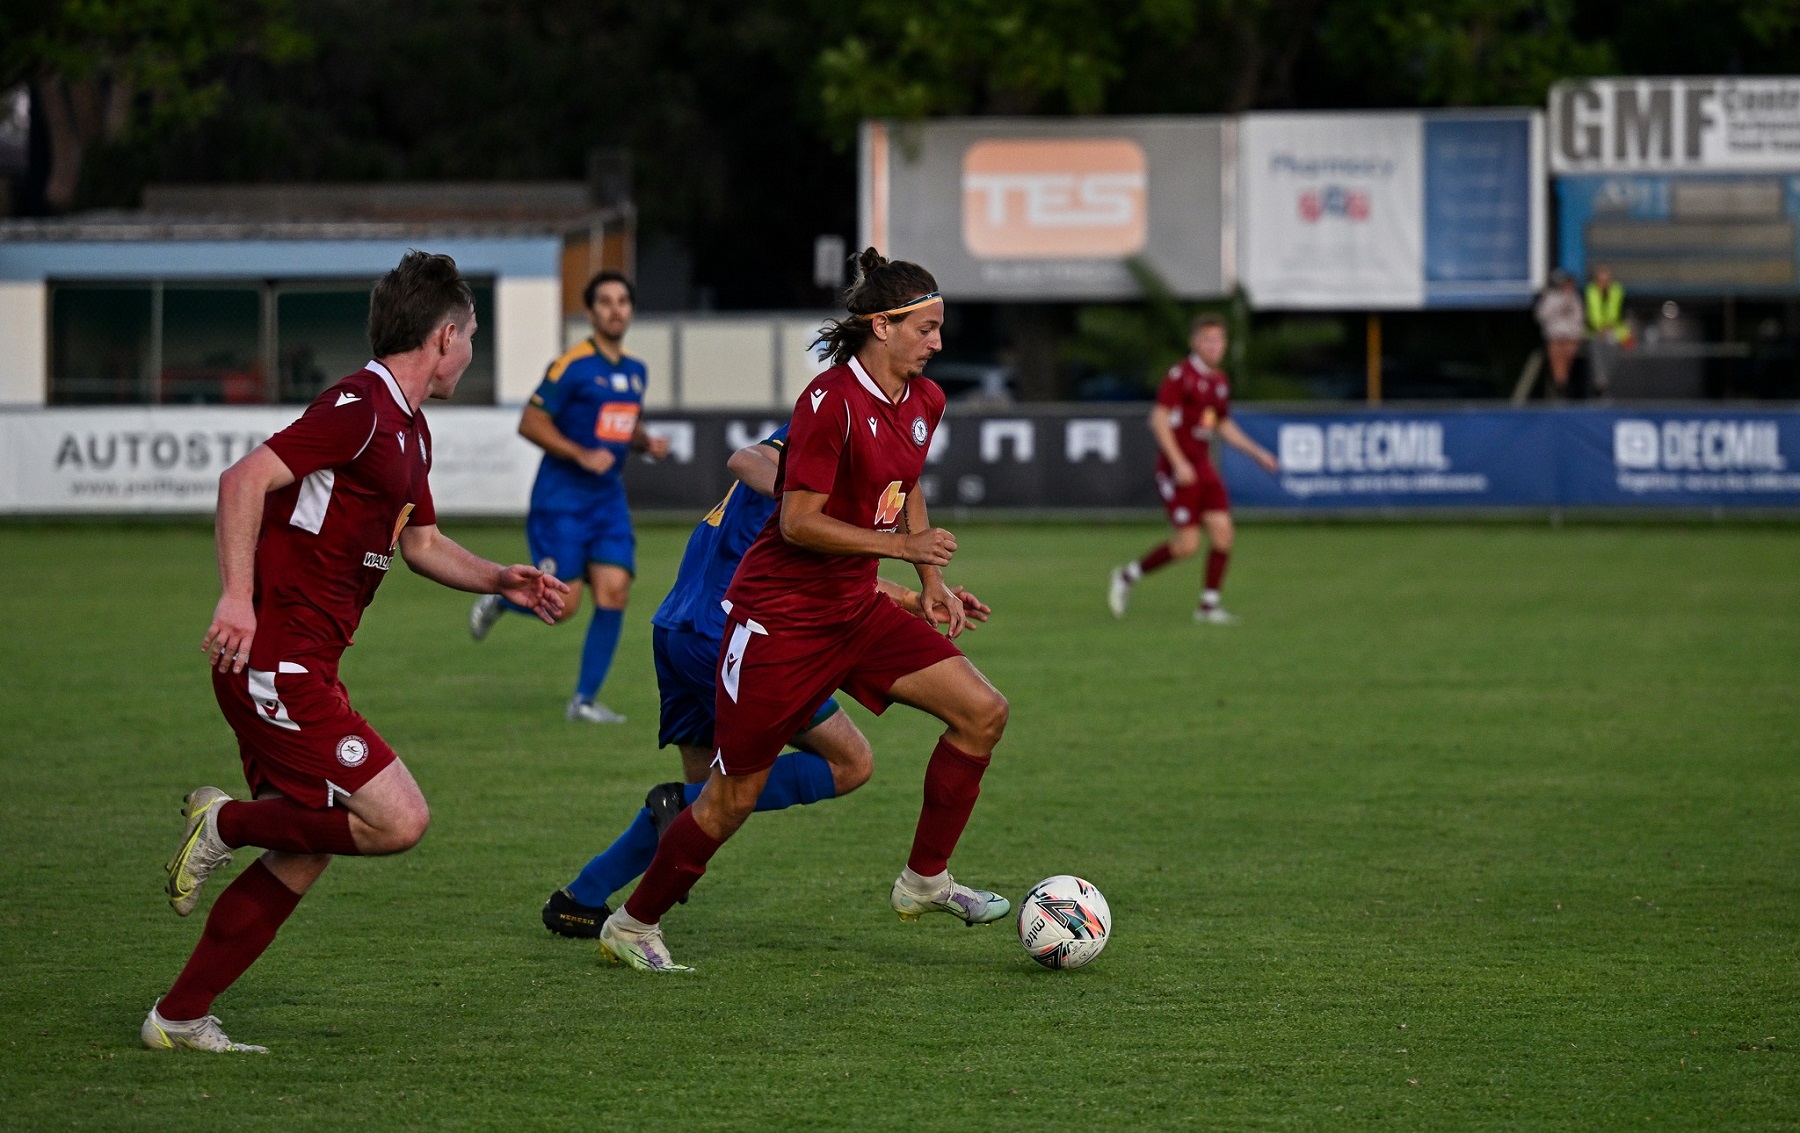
1064	922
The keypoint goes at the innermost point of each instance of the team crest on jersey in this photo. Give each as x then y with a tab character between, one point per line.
920	433
352	750
620	383
893	501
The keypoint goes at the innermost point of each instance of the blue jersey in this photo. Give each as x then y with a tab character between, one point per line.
594	402
712	555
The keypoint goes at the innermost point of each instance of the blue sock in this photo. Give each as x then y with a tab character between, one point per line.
597	650
798	778
628	856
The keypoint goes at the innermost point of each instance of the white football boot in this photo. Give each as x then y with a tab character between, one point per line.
202	850
642	949
483	614
1216	615
591	711
970	906
1118	593
203	1033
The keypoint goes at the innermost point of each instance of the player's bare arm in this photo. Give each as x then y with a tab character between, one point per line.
1238	439
805	524
908	600
756	466
657	448
428	551
937	604
540	429
1163	429
242	489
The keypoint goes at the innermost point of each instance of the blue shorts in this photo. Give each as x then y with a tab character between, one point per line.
687	676
575	539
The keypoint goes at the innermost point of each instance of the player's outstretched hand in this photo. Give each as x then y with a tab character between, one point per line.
542	594
1268	462
975	609
596	460
227	640
939	606
931	547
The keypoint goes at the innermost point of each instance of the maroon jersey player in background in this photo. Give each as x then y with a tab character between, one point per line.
308	526
804	618
1192	407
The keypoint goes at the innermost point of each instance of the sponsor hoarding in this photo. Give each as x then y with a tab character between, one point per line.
1708	124
1067	457
1039	209
1522	458
1391	211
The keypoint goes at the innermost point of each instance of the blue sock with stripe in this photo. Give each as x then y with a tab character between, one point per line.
597	650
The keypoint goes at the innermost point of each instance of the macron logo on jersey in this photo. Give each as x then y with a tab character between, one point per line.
871	426
346	399
818	395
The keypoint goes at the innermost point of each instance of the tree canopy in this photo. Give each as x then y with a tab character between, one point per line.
739	115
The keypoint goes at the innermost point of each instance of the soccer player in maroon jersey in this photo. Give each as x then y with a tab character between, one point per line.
1192	407
804	617
308	526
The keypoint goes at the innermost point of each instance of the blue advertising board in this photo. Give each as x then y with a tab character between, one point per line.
1479	192
1702	458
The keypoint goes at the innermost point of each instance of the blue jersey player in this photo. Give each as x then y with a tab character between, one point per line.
834	757
585	415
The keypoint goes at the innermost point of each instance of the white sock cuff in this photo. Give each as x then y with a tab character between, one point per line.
921	884
630	923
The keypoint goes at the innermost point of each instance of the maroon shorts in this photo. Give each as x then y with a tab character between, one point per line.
298	735
1186	503
771	682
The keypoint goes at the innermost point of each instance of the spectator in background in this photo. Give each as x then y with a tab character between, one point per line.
1606	324
1560	317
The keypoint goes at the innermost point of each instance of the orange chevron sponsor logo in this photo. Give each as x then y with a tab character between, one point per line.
399	526
893	501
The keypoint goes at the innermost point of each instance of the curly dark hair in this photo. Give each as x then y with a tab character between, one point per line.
881	285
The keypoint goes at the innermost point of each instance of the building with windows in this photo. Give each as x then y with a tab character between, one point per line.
258	295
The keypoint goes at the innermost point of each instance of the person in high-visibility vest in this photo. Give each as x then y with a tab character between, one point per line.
1607	328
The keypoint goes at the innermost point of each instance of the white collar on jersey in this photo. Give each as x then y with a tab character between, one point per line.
868	383
393	386
1200	367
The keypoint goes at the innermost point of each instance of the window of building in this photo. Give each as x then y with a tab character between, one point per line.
227	343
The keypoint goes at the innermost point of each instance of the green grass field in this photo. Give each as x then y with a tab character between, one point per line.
1461	827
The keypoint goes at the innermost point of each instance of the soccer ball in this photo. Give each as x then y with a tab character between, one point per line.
1064	922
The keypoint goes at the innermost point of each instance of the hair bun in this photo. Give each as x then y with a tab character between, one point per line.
869	260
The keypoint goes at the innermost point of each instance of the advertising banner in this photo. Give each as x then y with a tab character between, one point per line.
1701	125
1077	458
1699	235
1047	209
1390	211
167	459
1522	459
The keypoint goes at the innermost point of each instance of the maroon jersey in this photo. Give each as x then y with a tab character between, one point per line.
1197	397
865	452
359	455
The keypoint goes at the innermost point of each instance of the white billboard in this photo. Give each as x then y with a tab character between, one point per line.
1391	211
1720	124
167	459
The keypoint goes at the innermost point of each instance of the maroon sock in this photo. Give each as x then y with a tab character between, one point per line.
243	922
1216	562
680	861
1156	559
285	825
952	783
